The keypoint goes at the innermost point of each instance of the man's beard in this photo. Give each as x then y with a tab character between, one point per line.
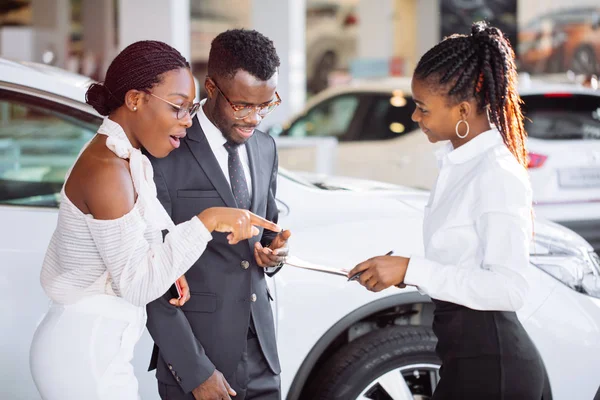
229	132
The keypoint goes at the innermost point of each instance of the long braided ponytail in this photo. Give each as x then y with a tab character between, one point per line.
481	65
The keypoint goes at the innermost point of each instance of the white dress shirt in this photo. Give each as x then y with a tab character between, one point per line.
477	228
216	140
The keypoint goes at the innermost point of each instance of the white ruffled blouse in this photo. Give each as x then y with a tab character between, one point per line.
124	257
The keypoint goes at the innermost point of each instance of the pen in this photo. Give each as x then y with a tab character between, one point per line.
356	276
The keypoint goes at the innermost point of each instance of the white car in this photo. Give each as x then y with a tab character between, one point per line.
336	340
379	141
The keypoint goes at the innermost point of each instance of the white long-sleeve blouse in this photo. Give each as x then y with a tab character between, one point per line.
125	257
477	228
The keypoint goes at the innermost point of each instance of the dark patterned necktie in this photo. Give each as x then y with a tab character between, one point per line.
239	186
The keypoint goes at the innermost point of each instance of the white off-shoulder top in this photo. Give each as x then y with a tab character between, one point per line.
124	257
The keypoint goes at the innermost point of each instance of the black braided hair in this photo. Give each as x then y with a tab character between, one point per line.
242	49
481	66
139	66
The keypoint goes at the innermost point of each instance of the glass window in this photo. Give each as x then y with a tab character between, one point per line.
562	116
37	147
330	118
389	117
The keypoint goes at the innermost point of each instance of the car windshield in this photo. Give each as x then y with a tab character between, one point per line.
562	116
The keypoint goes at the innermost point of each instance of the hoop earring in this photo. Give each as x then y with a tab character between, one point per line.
466	133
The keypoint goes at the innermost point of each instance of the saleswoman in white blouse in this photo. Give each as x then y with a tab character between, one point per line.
107	258
478	225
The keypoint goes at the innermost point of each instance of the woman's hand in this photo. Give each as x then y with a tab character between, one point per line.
185	292
241	224
381	272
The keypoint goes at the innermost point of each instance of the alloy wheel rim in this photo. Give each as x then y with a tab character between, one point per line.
403	383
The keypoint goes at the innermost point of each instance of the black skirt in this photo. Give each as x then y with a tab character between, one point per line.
485	355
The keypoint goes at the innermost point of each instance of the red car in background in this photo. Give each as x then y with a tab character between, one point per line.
562	40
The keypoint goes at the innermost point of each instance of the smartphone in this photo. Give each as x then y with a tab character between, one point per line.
179	290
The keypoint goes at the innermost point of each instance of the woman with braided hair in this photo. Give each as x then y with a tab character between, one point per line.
107	258
478	222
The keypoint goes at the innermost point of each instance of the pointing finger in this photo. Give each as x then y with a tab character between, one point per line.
260	221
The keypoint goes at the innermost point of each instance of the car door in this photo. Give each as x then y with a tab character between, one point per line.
40	137
387	145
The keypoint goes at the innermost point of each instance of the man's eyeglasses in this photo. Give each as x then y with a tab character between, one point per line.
243	111
183	109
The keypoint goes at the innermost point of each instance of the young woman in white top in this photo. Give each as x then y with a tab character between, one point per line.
478	222
107	258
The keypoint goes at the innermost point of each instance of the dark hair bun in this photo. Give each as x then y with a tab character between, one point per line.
482	31
138	67
100	98
478	27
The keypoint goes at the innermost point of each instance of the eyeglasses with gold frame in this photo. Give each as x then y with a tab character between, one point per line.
243	111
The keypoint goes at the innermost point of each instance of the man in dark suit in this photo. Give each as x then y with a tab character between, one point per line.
221	342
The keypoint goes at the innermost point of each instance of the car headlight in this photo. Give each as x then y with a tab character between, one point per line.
572	262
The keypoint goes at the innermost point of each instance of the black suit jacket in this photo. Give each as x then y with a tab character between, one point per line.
210	329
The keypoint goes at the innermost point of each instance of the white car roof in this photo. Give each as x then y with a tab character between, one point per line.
383	85
527	85
45	78
540	86
558	83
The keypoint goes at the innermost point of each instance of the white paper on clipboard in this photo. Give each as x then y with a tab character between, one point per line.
299	263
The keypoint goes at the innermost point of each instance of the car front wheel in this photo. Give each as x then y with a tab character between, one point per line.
584	61
392	363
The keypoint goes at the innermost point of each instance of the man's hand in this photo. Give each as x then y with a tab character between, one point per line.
214	388
276	252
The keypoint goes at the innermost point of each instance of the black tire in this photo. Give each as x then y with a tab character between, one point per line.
355	366
584	61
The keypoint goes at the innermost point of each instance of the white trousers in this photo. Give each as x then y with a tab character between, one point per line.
84	350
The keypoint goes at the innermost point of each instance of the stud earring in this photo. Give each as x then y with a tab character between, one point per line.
134	108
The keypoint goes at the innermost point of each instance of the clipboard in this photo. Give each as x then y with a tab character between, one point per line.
296	262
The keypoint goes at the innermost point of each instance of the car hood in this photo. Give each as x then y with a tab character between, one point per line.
547	233
329	182
548	236
412	197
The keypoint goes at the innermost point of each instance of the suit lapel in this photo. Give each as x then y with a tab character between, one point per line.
200	148
253	158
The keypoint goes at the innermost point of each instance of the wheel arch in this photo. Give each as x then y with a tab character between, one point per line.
589	47
303	373
322	345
